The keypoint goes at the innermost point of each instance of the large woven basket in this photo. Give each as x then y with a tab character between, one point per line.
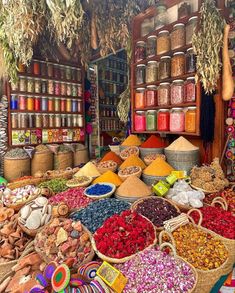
151	180
146	151
206	279
136	203
124	259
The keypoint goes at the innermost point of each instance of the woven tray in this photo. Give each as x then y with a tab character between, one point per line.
17	207
22	183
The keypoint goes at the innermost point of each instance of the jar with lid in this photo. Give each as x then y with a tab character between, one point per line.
45	120
140	49
51	120
21	67
178	36
161	17
57	71
38	86
79	90
190	120
75	120
177	117
44	86
69	89
69	121
22	102
151	96
38	120
50	70
23	84
74	105
140	74
63	88
57	120
57	89
163	94
177	64
50	87
30	103
190	28
29	68
140	98
79	109
14	86
51	107
184	9
163	42
30	85
151	71
79	74
163	120
69	105
57	105
151	120
63	120
37	103
190	90
14	120
31	118
151	46
145	27
190	61
68	73
62	72
140	121
80	121
74	90
177	92
36	67
14	102
43	68
44	104
23	120
74	74
63	105
164	67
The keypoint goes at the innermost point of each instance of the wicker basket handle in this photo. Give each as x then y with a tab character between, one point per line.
200	217
162	233
221	201
165	244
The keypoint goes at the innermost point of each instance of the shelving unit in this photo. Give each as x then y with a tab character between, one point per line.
136	29
71	129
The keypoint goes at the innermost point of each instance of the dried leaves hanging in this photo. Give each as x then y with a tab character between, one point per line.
207	43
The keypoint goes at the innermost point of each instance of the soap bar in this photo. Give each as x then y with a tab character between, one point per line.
161	188
179	174
171	179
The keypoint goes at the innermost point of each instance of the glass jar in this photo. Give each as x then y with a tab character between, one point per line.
79	106
57	71
63	105
45	120
44	86
51	120
68	73
177	120
177	92
140	51
44	104
151	120
38	86
43	68
80	121
151	46
30	103
69	121
163	94
50	70
14	120
22	103
21	67
50	87
140	121
63	88
23	84
177	64
57	88
74	74
151	96
36	67
38	120
164	67
75	120
57	121
14	102
163	120
163	42
30	85
23	120
190	90
178	36
14	86
140	98
190	120
63	120
161	17
74	105
140	74
184	9
37	103
69	89
190	61
79	90
151	71
74	90
31	118
79	75
57	105
51	107
69	105
189	30
62	72
145	27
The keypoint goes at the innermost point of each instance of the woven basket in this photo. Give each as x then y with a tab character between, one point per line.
124	259
124	177
42	161
48	260
206	279
123	157
66	174
229	243
22	183
135	204
152	180
103	170
203	190
146	151
29	232
16	167
17	207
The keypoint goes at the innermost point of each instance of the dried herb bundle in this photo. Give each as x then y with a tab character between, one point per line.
207	42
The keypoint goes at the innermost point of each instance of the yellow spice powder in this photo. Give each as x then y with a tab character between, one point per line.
132	140
133	160
109	177
158	167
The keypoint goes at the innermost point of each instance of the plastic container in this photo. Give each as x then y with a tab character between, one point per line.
151	71
151	96
177	92
190	120
164	67
177	120
163	42
190	61
151	120
189	30
189	90
177	64
140	121
151	46
163	94
178	36
140	98
140	74
163	120
140	50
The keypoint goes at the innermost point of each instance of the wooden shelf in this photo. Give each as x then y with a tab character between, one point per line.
111	118
45	77
57	142
44	95
45	128
184	105
168	132
46	112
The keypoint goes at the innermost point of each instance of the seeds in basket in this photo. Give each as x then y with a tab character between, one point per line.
80	180
56	185
129	170
152	157
19	195
107	164
132	150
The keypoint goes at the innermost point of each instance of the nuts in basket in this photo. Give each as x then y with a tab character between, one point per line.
127	152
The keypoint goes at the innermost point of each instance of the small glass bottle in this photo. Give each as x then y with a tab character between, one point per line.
80	121
50	87
161	17
68	105
74	90
57	120
163	42
30	103
140	49
30	85
190	61
177	64
14	102
178	36
140	74
69	121
164	67
63	120
69	89
50	70
151	96
37	103
151	71
57	88
79	90
151	46
57	105
44	104
45	120
22	102
36	67
38	86
51	120
68	73
23	84
63	105
44	86
31	118
14	120
51	107
177	120
63	88
38	121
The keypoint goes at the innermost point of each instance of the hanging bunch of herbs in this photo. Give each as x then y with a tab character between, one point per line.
66	17
207	43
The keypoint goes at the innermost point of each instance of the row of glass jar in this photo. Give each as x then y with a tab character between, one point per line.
108	112
165	41
42	86
45	104
174	120
112	76
25	120
110	124
179	64
112	88
165	94
52	70
116	64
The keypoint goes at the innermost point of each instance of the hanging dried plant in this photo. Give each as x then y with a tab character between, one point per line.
66	19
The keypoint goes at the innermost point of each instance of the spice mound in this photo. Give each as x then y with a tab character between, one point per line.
210	178
73	197
88	170
199	248
133	160
157	210
98	189
62	239
41	148
17	153
133	187
124	235
56	185
217	220
110	177
94	215
158	167
113	157
181	144
153	142
144	269
132	140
